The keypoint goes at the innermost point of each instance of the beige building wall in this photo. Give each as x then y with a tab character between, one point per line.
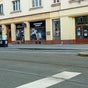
67	28
67	4
67	20
74	12
65	11
48	29
4	31
26	8
13	31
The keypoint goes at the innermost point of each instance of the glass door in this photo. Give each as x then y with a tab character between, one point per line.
20	35
56	29
82	32
85	31
79	33
9	33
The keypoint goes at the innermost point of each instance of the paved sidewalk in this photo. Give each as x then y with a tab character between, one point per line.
52	47
49	46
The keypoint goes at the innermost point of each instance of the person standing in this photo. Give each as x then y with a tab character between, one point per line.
4	40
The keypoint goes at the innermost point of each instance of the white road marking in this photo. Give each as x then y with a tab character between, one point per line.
49	81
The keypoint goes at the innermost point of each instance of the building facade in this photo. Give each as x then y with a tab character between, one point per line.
44	22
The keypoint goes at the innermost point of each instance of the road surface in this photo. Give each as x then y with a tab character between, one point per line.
42	69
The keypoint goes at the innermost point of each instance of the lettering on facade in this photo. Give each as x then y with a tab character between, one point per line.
37	24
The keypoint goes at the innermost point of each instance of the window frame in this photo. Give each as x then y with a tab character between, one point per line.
1	8
56	1
36	3
56	29
16	5
81	23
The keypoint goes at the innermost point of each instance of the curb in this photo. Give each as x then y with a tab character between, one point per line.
47	49
83	53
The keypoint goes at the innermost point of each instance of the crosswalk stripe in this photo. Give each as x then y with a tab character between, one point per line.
49	81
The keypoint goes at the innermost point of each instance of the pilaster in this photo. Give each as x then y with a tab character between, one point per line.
13	32
48	29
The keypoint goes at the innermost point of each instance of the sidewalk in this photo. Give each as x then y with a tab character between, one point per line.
52	47
49	46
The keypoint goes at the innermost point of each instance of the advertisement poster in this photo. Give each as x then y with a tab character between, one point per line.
37	31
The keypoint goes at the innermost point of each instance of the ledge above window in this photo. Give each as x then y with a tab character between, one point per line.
56	4
71	1
34	8
15	12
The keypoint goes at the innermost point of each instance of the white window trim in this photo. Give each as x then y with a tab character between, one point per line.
36	3
16	5
1	8
55	3
71	1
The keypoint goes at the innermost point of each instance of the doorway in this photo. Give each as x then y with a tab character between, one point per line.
20	33
9	33
82	31
56	29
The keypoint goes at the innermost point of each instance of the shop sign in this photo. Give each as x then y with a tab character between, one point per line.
37	24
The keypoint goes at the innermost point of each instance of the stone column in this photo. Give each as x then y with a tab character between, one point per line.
27	32
4	31
49	29
67	28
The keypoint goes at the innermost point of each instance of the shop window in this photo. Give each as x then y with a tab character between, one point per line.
38	31
79	32
56	29
85	31
19	32
82	27
82	20
82	31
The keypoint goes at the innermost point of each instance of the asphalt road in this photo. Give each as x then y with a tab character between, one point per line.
18	67
59	51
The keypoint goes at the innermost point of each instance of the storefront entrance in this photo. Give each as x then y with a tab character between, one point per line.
8	27
19	33
56	29
82	29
